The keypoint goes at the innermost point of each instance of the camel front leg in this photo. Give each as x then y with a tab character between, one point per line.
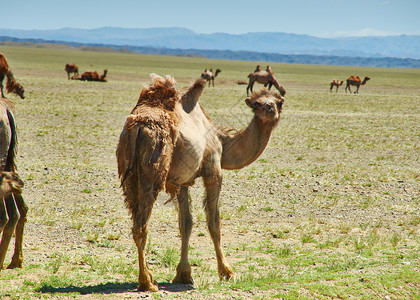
183	271
213	187
17	257
9	228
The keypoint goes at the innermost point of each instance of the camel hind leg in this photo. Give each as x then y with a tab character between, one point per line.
10	220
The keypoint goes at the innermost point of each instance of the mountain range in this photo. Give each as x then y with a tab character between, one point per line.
273	43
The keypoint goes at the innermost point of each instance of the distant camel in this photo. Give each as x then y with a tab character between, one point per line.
209	75
13	209
168	141
72	68
356	81
264	77
11	86
93	76
335	83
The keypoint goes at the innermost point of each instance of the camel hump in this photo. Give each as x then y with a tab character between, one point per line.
190	97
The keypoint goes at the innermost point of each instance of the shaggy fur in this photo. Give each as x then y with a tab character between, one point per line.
11	85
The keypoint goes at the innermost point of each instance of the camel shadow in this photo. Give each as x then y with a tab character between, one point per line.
112	288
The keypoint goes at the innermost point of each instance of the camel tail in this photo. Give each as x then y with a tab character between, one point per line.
11	155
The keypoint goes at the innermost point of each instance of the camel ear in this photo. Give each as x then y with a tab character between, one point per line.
248	102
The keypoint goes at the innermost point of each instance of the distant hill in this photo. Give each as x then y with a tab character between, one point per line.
402	46
386	62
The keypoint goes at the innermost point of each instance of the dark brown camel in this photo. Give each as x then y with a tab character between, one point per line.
356	81
94	76
13	209
11	86
72	68
167	142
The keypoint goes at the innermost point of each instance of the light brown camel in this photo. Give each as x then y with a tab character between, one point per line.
10	183
13	209
167	142
209	75
264	77
356	81
335	83
12	86
72	68
94	76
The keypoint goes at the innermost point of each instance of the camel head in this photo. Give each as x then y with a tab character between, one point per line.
266	105
10	183
366	79
217	72
14	87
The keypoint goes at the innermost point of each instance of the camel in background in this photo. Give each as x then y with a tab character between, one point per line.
335	83
11	86
264	77
167	142
94	76
72	68
10	204
209	75
356	81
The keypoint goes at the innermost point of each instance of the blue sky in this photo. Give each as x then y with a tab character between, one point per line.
325	18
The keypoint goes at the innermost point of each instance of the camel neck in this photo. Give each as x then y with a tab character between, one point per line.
245	146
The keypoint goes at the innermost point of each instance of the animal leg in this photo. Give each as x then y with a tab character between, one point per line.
183	271
213	187
9	228
1	84
140	220
17	257
270	85
249	87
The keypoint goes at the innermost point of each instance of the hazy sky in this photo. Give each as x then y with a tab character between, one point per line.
326	18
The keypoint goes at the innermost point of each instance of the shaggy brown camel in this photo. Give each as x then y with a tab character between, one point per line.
11	86
94	76
356	81
72	68
209	75
264	77
10	183
13	209
167	142
335	83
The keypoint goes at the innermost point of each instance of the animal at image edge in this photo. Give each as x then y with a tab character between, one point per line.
13	209
356	81
12	86
209	75
167	142
265	77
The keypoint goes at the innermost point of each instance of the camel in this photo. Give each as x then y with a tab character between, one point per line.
72	68
264	77
356	81
12	86
167	142
94	76
335	83
209	75
10	183
13	209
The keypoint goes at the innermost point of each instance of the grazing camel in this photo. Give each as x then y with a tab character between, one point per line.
13	209
209	75
72	68
335	83
167	142
10	183
264	77
94	76
356	81
11	86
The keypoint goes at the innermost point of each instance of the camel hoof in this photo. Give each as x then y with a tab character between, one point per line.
147	287
226	274
184	278
14	265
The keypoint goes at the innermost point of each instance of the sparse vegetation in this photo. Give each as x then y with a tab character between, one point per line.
330	210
